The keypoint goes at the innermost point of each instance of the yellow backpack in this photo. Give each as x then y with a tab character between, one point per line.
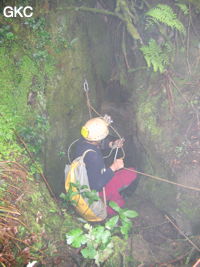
77	173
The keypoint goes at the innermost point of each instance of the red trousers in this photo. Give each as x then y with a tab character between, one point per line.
122	178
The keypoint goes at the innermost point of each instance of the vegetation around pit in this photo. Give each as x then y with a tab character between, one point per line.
32	225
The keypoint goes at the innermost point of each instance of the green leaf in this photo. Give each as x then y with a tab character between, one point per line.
106	237
62	195
74	194
76	185
53	210
165	14
125	228
114	206
183	8
98	232
88	253
10	36
130	213
112	222
87	226
76	238
84	187
155	56
124	217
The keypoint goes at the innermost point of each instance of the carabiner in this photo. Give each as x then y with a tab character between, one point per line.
85	86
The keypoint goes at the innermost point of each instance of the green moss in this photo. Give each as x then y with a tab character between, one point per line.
66	102
22	73
120	247
6	77
17	80
148	120
42	216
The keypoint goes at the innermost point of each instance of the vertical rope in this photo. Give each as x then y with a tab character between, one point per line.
88	104
116	153
90	109
86	89
104	196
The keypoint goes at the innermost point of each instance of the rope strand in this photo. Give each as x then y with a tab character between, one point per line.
182	233
68	150
164	180
114	130
86	89
90	107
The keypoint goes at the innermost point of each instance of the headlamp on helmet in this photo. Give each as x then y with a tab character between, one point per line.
96	129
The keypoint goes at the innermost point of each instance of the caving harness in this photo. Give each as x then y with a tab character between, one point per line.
90	109
76	172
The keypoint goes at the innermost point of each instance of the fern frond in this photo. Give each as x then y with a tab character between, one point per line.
168	47
165	14
183	8
154	56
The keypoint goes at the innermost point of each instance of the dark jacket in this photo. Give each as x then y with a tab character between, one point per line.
98	175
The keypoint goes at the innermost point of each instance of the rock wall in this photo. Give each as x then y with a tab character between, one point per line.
157	114
66	100
160	112
168	129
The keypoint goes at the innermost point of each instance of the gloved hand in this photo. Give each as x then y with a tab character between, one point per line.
117	143
117	165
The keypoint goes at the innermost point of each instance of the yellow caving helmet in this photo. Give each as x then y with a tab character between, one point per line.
95	129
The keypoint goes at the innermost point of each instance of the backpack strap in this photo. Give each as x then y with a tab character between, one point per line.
86	151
